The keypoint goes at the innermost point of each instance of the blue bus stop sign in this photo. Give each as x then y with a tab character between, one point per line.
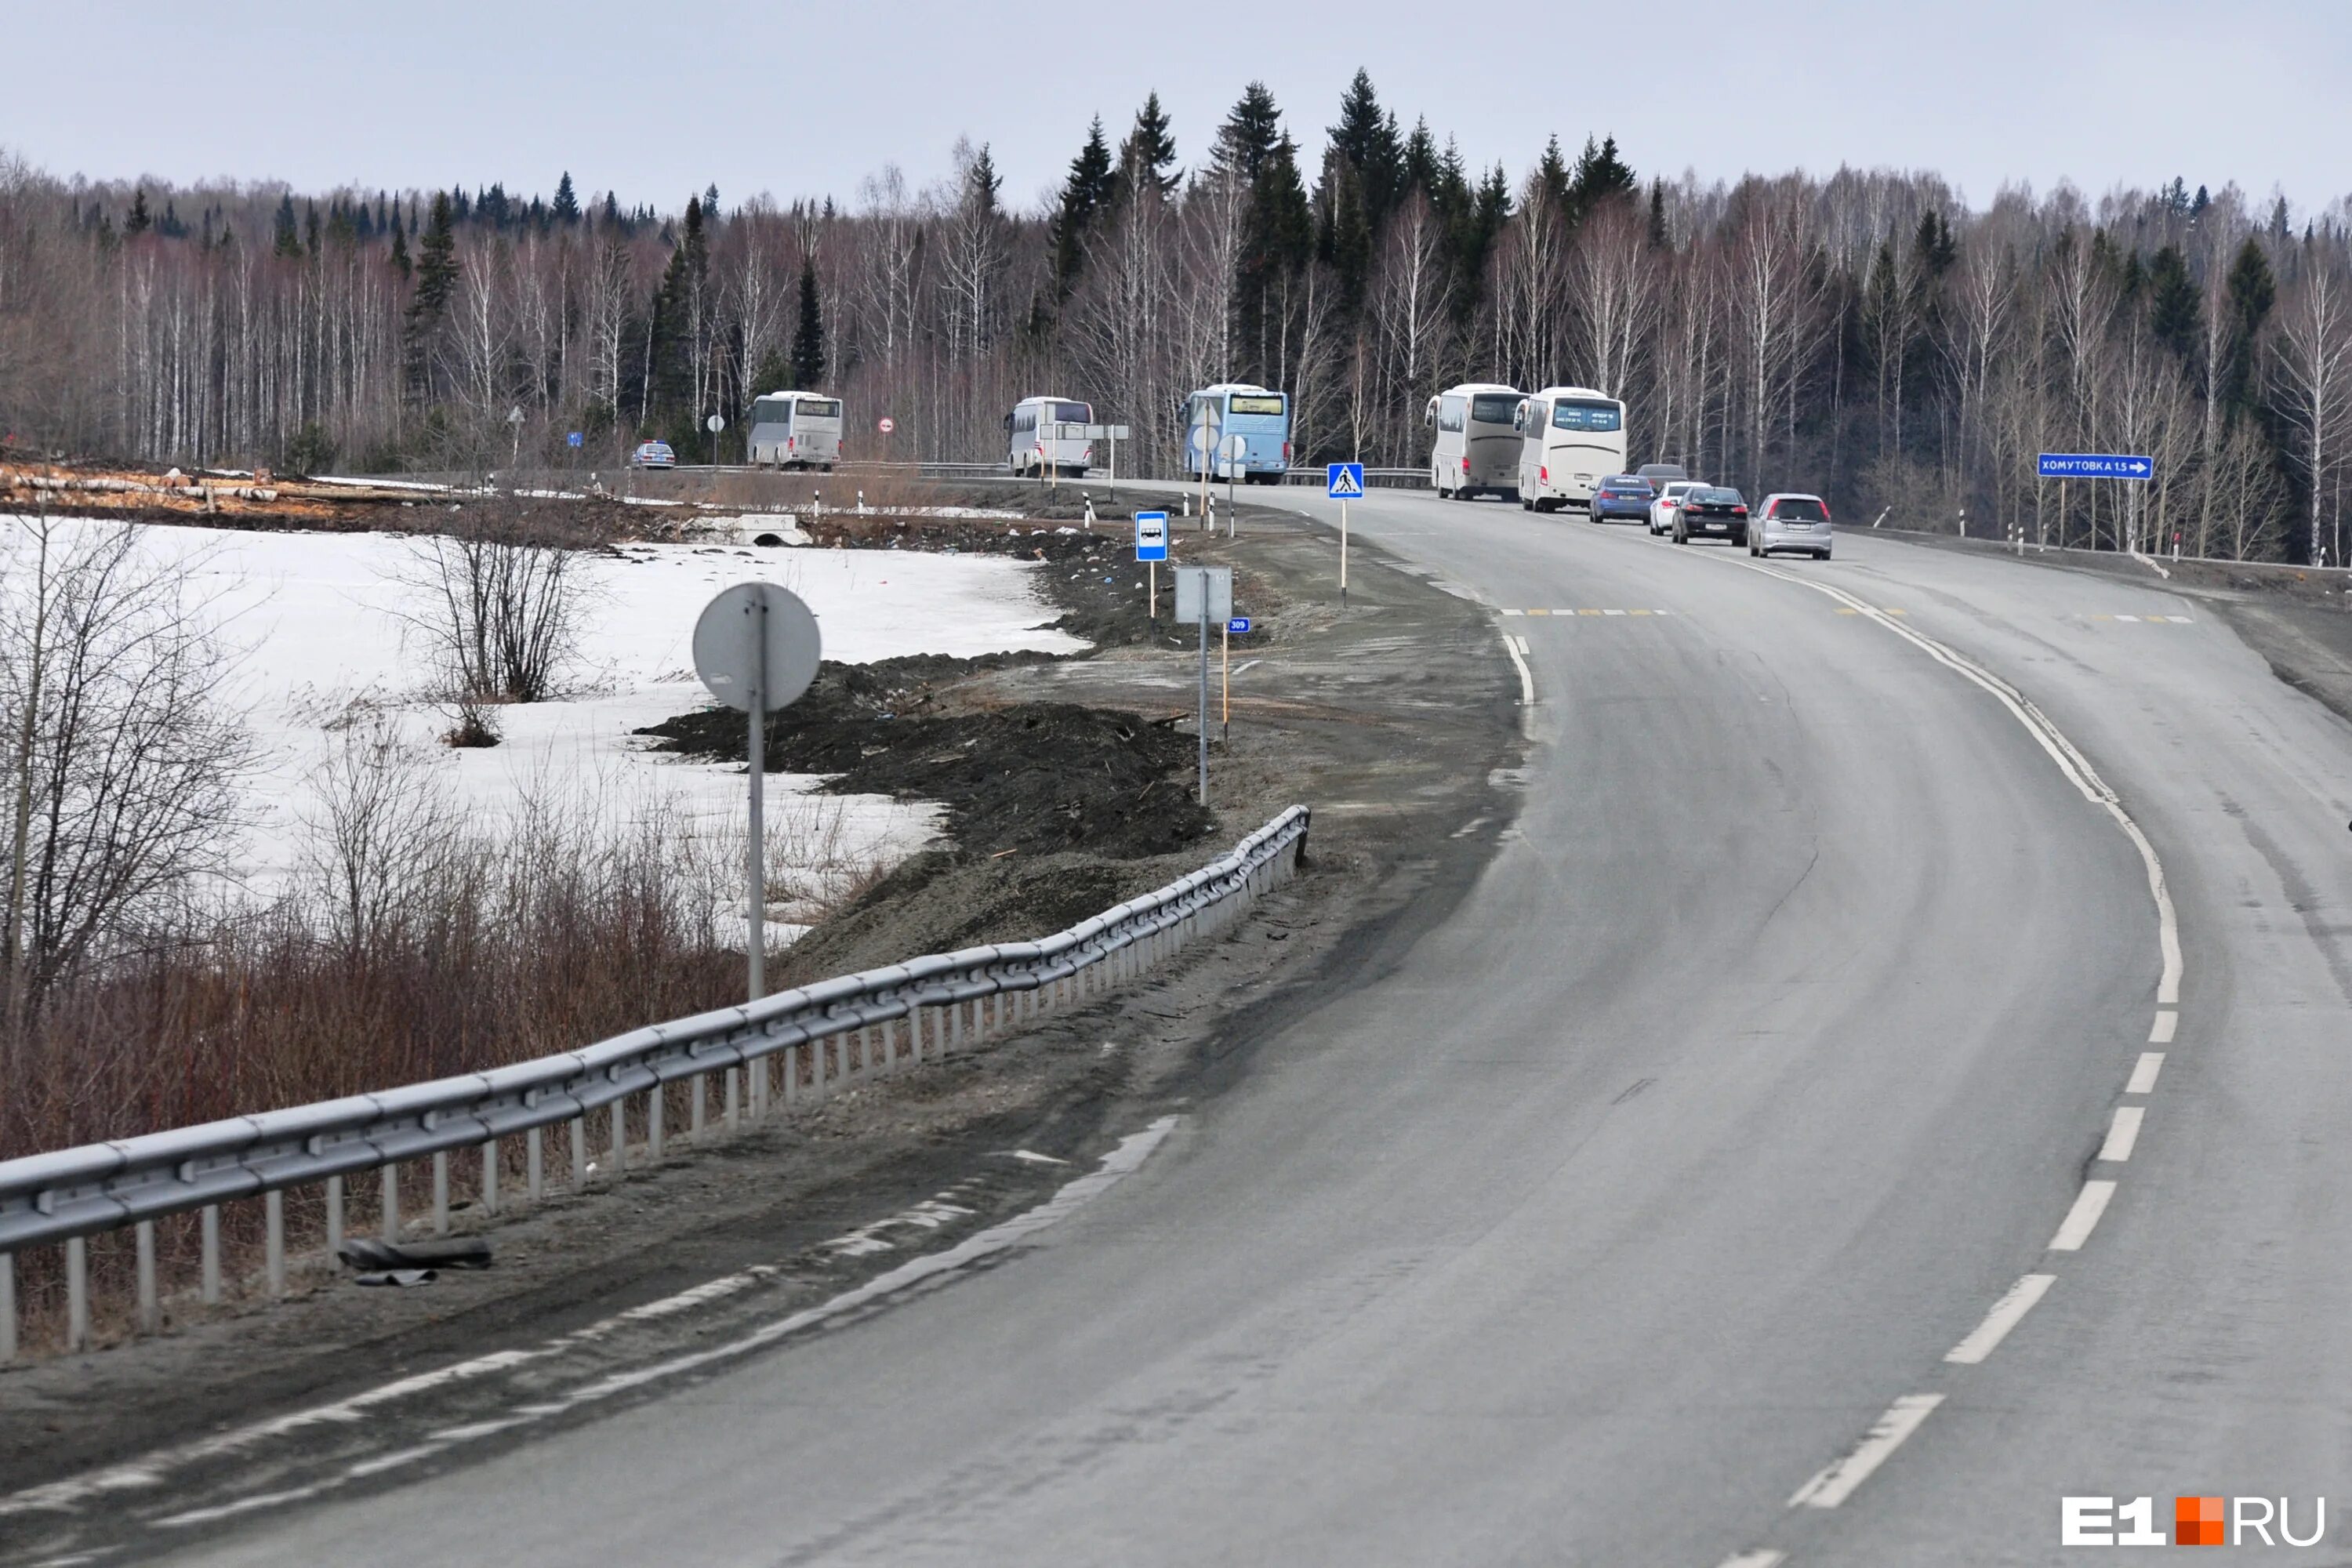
573	439
1151	536
1238	626
2095	466
1344	481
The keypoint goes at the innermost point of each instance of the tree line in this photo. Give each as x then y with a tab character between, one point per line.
1867	335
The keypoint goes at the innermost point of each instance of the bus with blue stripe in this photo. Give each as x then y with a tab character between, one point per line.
1261	418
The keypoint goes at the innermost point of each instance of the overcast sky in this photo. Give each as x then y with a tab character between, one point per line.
799	99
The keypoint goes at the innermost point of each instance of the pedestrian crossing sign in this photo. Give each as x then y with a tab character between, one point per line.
1345	481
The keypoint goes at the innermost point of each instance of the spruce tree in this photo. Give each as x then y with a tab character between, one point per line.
1147	157
310	227
138	222
1366	140
2173	313
1247	138
1661	236
1083	195
1599	175
566	208
2252	291
436	277
808	335
1551	177
400	262
288	240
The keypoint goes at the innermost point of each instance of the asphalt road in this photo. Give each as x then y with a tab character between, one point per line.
1773	1047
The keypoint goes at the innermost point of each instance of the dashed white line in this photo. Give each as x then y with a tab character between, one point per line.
2122	1133
2084	1217
1837	1483
2161	1033
1764	1558
2007	1312
2143	1078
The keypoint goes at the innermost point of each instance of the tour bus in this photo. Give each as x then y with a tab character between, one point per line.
1477	440
1033	450
1572	437
1260	418
796	430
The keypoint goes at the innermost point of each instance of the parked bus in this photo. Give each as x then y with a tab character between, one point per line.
1260	418
796	430
1030	450
1571	438
1477	446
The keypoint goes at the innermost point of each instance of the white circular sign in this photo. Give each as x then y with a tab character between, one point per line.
714	425
1197	440
885	424
1236	446
727	640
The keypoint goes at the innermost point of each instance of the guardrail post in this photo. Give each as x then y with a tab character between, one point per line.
334	1216
579	1151
273	1216
792	1055
734	1097
955	1025
536	1160
210	1227
657	1113
619	1136
390	1182
694	1114
150	1313
7	1308
490	1176
441	1192
758	1067
76	1293
817	1054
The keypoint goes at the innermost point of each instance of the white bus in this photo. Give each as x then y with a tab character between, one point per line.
1477	446
1571	438
796	430
1032	449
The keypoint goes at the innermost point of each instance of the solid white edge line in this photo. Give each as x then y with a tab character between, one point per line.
2143	1078
2122	1133
1838	1481
1767	1558
2020	1298
2160	1033
1527	677
2084	1217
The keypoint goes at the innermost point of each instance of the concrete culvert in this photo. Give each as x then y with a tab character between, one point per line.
774	541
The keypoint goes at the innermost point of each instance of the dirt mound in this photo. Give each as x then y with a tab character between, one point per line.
1035	779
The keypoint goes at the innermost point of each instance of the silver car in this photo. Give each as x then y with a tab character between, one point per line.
1790	521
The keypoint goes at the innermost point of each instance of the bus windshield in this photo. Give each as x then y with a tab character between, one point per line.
1567	416
1494	407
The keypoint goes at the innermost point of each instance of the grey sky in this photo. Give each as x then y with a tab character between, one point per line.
798	98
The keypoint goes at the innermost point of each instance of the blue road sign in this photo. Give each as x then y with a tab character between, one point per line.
573	439
1238	625
1344	481
1151	536
2095	466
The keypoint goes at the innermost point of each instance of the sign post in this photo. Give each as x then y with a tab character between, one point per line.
1204	594
1152	547
1235	625
1235	451
756	648
1343	483
2065	466
715	424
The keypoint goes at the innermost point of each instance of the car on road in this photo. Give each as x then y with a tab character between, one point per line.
1669	501
1626	497
652	455
1789	519
1661	473
1711	509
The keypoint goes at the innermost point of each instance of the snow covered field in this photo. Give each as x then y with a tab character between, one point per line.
323	622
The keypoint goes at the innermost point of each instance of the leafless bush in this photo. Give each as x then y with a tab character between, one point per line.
120	762
501	600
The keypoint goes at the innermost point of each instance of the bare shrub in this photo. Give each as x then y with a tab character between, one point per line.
120	762
503	596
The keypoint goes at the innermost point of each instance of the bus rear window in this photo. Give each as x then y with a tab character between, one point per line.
820	408
1073	413
1566	416
1494	407
1254	403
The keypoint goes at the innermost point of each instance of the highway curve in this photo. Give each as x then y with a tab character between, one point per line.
1631	1215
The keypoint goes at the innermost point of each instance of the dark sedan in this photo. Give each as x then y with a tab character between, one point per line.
1712	509
1624	496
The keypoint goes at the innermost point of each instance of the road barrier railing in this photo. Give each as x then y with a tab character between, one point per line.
822	1037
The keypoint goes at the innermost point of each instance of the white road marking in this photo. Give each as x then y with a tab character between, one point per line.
1524	646
1527	677
1613	612
1837	1483
1767	1558
2084	1217
1244	668
2020	1298
2127	617
2161	1033
2143	1078
2122	1133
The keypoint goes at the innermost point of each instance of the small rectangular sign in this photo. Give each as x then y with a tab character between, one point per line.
1239	625
1151	536
1344	481
1204	594
2095	466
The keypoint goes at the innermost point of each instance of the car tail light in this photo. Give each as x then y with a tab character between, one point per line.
1285	454
1740	511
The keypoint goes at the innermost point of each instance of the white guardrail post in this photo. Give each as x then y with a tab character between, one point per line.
70	1195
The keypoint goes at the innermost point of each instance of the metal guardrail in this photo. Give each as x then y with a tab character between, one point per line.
70	1195
1389	479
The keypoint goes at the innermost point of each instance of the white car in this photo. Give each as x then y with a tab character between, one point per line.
1670	501
652	455
1791	521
